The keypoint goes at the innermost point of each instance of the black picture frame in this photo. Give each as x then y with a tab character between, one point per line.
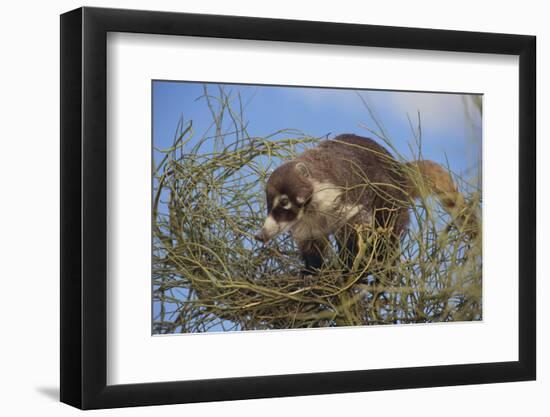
84	207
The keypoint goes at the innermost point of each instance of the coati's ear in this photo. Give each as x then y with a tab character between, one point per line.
302	169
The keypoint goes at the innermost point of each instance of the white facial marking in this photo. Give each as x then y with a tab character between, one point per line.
279	200
271	227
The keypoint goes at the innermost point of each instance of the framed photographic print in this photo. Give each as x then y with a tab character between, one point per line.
258	207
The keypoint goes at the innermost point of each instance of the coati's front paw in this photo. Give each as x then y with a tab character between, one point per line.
309	277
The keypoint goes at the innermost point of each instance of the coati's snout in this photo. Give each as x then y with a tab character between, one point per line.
281	218
287	193
272	228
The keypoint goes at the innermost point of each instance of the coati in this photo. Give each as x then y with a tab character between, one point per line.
345	183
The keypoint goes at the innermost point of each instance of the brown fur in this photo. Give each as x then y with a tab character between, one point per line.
369	188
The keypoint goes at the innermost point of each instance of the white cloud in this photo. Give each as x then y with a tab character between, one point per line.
438	111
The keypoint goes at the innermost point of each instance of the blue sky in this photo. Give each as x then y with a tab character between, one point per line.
447	131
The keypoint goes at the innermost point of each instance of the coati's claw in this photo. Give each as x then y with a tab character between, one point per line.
305	273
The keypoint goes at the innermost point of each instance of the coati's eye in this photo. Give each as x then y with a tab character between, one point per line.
284	202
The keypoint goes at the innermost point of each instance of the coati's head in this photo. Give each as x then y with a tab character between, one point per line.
288	193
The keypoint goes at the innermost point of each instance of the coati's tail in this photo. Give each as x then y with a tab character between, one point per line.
430	178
